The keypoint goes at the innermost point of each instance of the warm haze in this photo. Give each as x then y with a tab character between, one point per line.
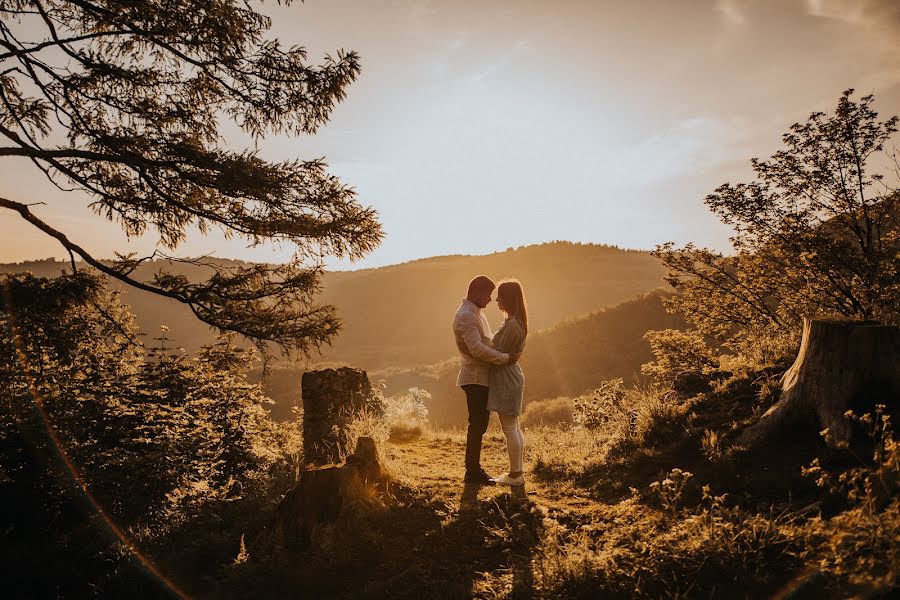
476	127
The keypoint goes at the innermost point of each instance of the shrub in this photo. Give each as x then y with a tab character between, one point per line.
677	352
604	408
406	416
869	485
862	550
553	411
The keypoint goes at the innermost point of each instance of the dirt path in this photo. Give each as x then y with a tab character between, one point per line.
434	463
438	537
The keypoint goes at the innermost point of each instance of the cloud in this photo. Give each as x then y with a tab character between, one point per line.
879	20
688	147
731	11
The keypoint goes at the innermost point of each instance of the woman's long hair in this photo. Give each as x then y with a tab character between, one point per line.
510	292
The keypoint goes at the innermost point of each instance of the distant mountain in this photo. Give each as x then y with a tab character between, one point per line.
399	316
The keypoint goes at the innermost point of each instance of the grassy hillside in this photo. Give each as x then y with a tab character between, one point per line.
655	502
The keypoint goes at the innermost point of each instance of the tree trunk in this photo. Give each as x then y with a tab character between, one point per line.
331	399
838	362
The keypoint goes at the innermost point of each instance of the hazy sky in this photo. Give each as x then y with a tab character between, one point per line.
476	126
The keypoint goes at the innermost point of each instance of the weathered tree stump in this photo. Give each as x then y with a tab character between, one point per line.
323	493
331	399
837	362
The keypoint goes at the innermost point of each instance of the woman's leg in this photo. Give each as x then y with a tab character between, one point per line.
515	443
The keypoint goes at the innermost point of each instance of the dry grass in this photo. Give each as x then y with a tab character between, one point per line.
638	552
670	537
564	451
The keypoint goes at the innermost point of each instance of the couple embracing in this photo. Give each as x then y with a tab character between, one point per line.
490	375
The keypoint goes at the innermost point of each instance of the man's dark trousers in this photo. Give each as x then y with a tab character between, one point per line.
476	400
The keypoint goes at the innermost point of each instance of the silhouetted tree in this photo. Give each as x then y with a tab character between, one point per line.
122	100
152	437
162	427
817	234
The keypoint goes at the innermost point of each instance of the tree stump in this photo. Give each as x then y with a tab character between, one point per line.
838	362
331	399
323	493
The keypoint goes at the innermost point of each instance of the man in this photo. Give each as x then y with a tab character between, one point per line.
473	334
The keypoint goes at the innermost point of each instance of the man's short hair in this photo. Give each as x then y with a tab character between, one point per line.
481	283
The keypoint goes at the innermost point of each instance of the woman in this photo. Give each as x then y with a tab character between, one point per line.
507	382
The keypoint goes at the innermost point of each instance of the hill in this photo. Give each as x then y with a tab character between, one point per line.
398	316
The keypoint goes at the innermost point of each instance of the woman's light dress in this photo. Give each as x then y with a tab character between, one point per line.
507	382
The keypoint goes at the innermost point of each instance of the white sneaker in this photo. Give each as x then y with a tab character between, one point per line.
505	479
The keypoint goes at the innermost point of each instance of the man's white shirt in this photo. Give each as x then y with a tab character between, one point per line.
471	330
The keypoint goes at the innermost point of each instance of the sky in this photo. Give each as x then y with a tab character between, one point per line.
479	126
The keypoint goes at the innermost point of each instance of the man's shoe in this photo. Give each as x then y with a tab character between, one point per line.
479	477
505	479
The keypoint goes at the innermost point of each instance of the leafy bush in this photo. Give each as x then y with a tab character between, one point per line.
604	408
152	433
553	411
642	416
869	485
677	352
862	550
406	416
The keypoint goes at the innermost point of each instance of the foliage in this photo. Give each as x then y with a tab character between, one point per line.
870	484
862	550
204	432
149	435
137	91
670	490
638	553
677	352
406	416
816	234
641	416
605	404
553	411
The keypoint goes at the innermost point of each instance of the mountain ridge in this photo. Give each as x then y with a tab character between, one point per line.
399	315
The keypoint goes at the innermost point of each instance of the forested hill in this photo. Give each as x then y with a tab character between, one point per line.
399	316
